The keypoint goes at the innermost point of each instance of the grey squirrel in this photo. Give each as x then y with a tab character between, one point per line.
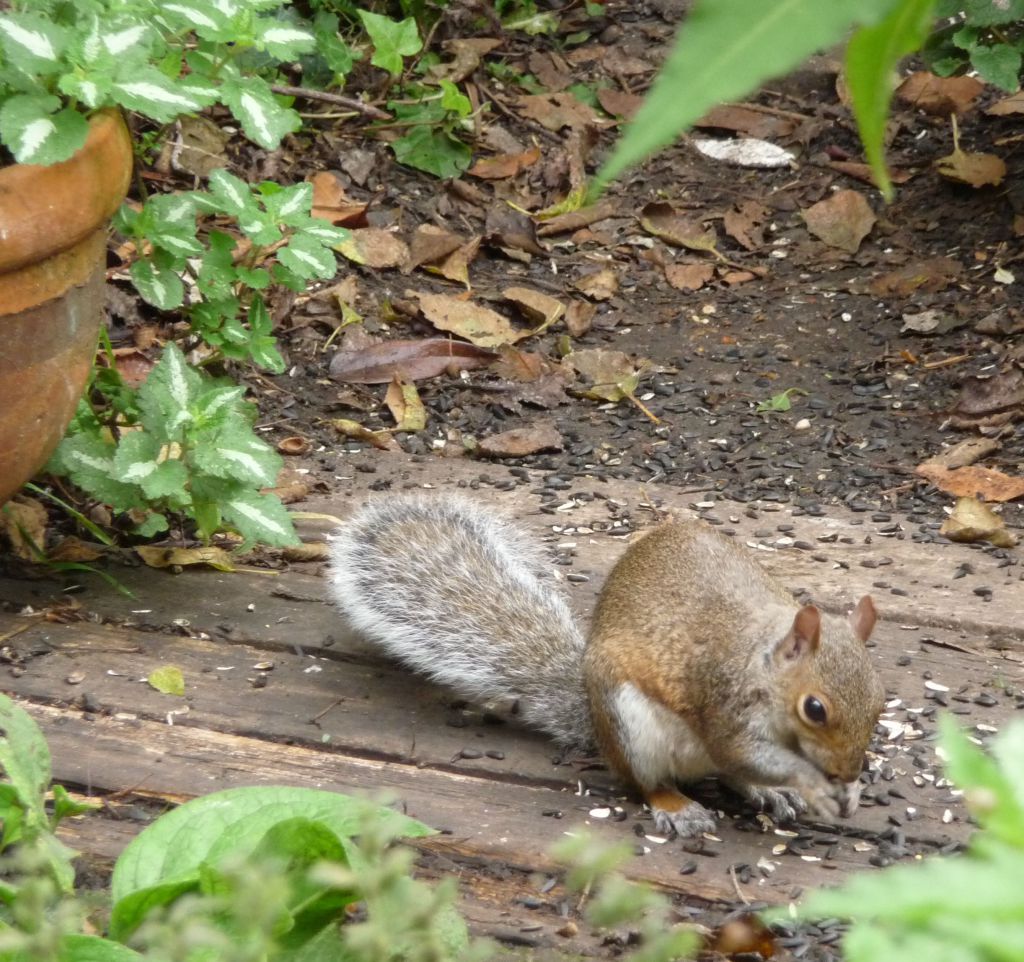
698	662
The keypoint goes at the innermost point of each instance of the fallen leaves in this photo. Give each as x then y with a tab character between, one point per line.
403	401
374	247
939	96
477	324
926	276
518	443
973	169
664	222
689	277
412	360
842	220
973	521
612	376
973	482
156	556
541	309
600	285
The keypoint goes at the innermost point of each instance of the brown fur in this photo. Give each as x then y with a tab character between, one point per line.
696	624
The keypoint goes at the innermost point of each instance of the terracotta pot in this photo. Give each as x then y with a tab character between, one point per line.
53	238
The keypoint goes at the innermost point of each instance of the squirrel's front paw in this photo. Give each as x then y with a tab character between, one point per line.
784	804
674	813
824	798
849	799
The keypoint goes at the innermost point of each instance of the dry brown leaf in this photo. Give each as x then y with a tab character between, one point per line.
599	286
663	221
550	68
558	110
579	317
430	243
374	247
748	121
455	267
518	443
413	360
201	146
75	550
732	278
511	230
476	323
331	203
965	453
132	364
541	309
973	521
575	219
23	524
928	276
939	96
1014	104
841	221
289	491
403	401
354	430
973	482
992	400
746	223
689	277
613	375
504	166
166	557
864	173
618	103
973	169
467	53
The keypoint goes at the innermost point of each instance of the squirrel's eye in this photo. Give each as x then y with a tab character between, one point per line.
814	711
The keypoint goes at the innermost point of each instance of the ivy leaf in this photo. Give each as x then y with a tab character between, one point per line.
434	151
998	64
392	40
36	132
335	52
260	518
264	121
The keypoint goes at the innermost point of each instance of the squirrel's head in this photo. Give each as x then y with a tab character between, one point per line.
833	693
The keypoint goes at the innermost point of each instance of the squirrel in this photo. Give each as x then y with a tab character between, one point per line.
697	662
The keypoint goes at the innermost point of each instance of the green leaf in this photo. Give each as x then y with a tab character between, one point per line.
283	40
92	948
290	205
207	20
392	40
147	91
260	518
130	911
308	258
159	286
724	49
871	57
230	450
989	13
998	64
264	121
454	100
336	53
434	151
36	132
166	395
25	760
234	822
89	462
32	43
168	680
64	806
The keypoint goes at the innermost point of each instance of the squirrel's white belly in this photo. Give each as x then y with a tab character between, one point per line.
659	745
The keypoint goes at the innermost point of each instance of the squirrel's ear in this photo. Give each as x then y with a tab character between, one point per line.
804	637
863	618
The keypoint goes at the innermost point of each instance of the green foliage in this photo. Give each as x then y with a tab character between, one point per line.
780	402
60	60
392	40
276	222
618	902
983	35
192	451
433	118
964	908
725	48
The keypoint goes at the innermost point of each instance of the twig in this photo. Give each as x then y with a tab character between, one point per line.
736	885
368	110
334	704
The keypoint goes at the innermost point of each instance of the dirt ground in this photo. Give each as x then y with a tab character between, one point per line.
827	489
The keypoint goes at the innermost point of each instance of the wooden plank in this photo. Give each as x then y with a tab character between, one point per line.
381	711
494	821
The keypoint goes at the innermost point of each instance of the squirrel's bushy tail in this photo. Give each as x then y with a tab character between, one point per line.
461	594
